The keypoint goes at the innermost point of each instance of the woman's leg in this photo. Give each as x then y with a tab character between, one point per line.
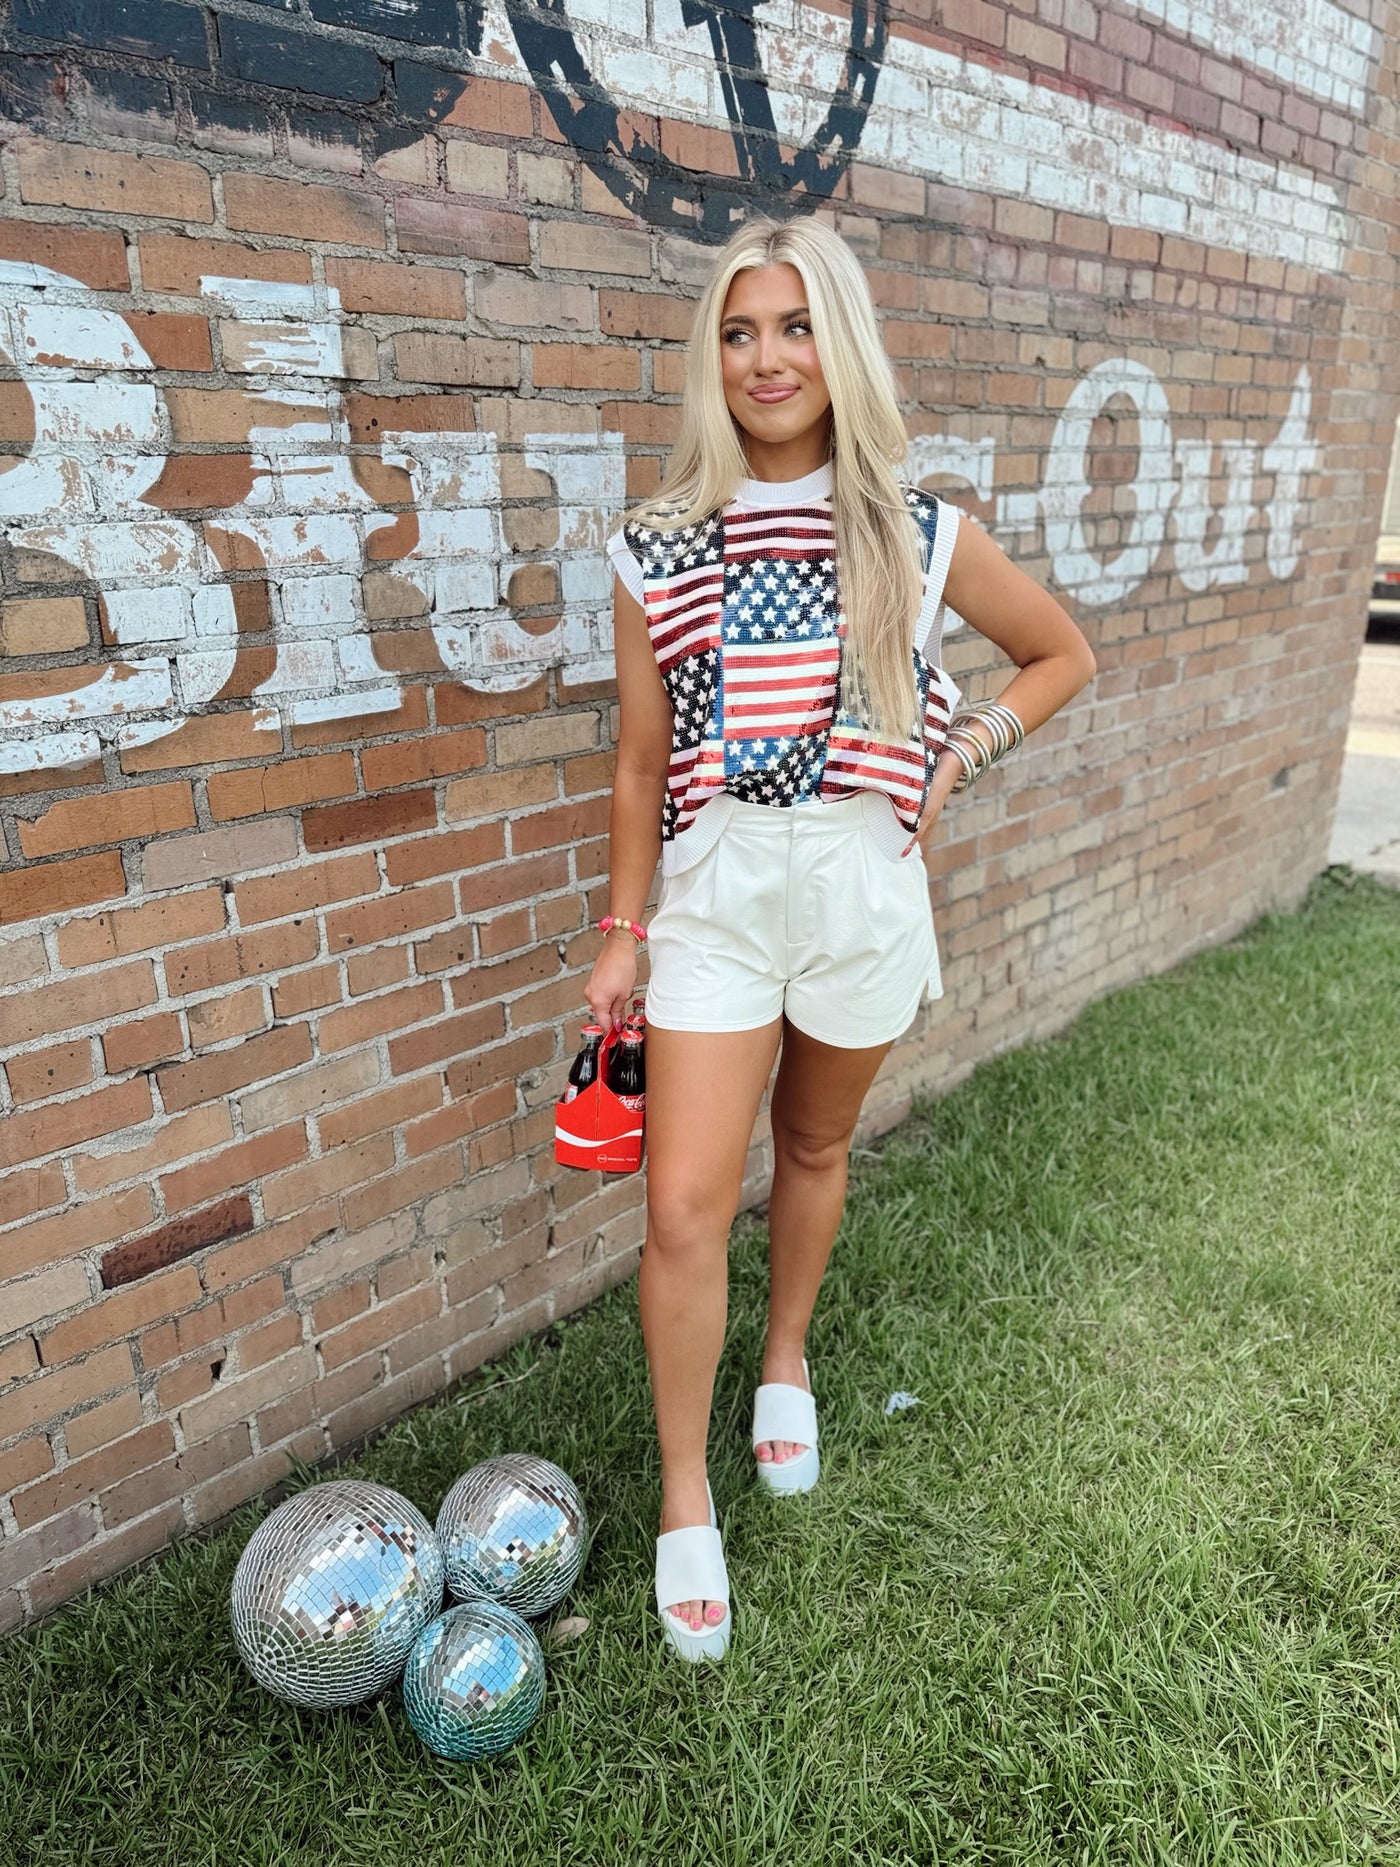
816	1103
703	1094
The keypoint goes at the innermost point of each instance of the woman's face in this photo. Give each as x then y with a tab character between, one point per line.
773	379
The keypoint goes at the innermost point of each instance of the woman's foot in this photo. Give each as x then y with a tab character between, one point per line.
682	1505
782	1365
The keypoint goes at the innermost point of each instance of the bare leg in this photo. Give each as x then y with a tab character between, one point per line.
816	1104
703	1094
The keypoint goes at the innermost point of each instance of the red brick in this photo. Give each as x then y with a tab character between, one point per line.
305	210
177	1240
323	1178
411	761
369	820
479	1069
379	1326
144	1041
122	931
330	1081
372	970
98	258
403	1189
50	1072
59	887
456	229
375	1114
450	1037
565	823
173	340
175	1139
137	812
224	1071
445	852
394	1011
266	1344
587	364
86	1477
306	991
173	262
313	885
91	1222
219	962
49	1396
234	1167
99	1425
109	1318
373	921
30	1459
236	1014
400	290
30	1190
290	782
53	1129
74	175
517	880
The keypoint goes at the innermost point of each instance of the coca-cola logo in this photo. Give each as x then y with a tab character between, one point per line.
656	188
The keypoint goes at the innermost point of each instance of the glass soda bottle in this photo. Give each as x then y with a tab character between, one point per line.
627	1071
585	1065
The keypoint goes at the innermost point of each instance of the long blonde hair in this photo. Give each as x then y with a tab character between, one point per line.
878	542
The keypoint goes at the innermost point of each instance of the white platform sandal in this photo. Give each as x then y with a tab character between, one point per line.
690	1567
781	1411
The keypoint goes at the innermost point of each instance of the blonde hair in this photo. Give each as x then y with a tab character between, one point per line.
879	546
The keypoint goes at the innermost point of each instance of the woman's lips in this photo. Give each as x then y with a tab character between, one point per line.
774	392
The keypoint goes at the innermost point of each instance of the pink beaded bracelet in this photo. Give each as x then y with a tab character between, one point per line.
609	921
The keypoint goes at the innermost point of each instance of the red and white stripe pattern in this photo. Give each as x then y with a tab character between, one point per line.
745	623
773	693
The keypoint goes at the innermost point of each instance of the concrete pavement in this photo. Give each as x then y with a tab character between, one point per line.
1366	829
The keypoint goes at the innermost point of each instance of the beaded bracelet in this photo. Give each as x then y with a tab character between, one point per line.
1006	729
609	921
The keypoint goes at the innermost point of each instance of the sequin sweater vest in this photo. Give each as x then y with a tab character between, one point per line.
745	622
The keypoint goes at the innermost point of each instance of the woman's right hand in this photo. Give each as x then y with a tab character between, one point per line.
613	978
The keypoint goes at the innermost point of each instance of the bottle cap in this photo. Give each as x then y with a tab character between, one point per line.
630	1036
592	1030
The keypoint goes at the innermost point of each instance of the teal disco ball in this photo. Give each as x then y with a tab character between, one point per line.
474	1681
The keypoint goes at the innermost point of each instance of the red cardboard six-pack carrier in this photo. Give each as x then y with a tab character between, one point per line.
597	1129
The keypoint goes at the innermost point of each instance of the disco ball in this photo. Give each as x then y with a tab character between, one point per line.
474	1681
513	1530
333	1589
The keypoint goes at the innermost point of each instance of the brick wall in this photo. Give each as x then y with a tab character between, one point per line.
338	335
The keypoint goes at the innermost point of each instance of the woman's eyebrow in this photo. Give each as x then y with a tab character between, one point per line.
736	317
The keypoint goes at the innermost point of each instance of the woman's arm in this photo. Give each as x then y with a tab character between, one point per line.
1009	608
639	789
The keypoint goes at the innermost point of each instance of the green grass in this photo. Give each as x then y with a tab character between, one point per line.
1122	1588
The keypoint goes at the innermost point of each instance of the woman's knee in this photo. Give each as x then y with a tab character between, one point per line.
811	1149
685	1219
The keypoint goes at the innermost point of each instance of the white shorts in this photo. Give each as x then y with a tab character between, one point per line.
796	909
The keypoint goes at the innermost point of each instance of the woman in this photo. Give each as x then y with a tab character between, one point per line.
786	755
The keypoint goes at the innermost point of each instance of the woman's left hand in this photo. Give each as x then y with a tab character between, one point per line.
945	776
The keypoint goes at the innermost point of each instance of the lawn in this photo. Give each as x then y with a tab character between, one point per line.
1121	1588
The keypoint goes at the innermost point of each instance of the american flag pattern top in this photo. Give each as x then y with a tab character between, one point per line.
745	620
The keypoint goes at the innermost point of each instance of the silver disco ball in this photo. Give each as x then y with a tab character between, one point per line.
474	1681
513	1530
333	1589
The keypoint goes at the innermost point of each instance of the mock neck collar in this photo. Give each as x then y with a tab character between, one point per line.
814	485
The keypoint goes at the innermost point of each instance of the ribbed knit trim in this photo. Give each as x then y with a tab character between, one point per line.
814	485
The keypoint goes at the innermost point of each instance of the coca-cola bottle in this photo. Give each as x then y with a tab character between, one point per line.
637	1017
627	1077
585	1065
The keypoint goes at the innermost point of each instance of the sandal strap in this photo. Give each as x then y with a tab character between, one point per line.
784	1412
690	1566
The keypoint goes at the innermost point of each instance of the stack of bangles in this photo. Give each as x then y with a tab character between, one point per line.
1006	730
609	921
